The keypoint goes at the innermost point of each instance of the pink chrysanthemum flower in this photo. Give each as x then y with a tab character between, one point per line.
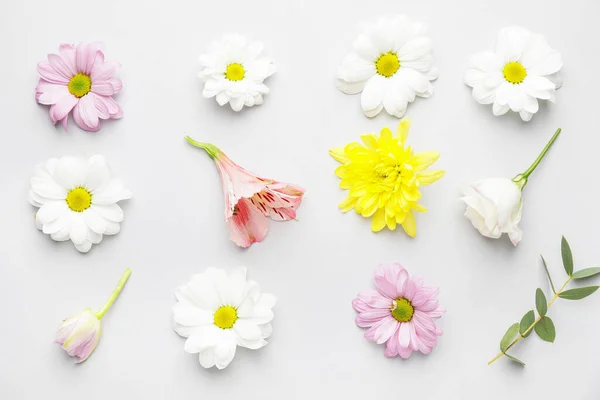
400	313
79	79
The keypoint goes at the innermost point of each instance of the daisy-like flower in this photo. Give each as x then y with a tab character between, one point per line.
522	69
78	79
391	63
77	200
401	312
384	177
249	199
234	71
217	312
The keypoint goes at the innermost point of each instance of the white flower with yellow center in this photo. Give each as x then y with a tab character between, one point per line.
77	200
218	311
234	72
391	63
522	69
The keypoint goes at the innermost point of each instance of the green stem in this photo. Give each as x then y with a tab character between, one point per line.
114	294
521	179
517	340
211	149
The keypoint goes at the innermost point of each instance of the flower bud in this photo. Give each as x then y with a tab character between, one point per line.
79	335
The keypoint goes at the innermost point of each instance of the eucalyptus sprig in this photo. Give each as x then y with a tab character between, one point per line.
543	325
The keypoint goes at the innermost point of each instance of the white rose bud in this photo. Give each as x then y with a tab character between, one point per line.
494	205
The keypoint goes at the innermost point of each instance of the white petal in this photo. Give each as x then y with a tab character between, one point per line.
355	69
207	358
222	98
415	48
112	228
78	229
84	247
539	87
511	43
236	103
251	344
113	191
525	115
247	330
224	352
203	339
499	109
94	237
111	212
372	95
484	94
396	98
70	172
48	189
51	211
237	282
97	174
487	62
365	48
190	315
267	330
94	221
57	225
62	235
350	88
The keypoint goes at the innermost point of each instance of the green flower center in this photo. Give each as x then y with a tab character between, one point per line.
79	199
225	317
235	72
80	85
402	310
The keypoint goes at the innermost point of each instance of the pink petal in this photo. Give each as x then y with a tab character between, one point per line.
391	349
113	108
401	282
370	333
386	330
424	294
375	300
404	334
413	336
430	305
63	68
85	114
383	284
248	225
410	288
103	88
62	108
359	305
237	183
437	313
50	74
85	56
404	352
50	93
370	317
101	106
117	84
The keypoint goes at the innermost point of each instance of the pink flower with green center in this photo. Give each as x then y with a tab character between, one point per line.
78	79
401	312
249	199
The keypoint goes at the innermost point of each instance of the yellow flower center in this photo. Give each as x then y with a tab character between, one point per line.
402	310
225	317
235	72
79	199
387	64
80	85
514	72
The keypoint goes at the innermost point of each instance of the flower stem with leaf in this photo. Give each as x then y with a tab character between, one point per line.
543	325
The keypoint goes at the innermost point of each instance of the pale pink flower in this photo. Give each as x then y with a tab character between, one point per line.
79	79
249	199
400	313
79	335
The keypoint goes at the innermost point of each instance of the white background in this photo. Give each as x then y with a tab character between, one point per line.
173	225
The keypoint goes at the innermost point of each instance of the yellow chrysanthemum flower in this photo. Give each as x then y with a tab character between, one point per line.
384	178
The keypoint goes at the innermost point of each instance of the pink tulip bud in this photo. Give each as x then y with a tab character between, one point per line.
79	335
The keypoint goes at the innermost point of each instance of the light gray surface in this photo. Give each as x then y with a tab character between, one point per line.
173	225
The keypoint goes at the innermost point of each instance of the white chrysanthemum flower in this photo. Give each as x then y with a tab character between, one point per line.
217	312
522	69
234	72
392	62
77	200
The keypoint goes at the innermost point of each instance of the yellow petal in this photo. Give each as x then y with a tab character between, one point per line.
378	222
403	128
385	135
339	155
419	207
347	204
428	177
391	222
369	140
423	160
410	224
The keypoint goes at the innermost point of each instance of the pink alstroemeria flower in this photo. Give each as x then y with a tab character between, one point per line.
400	313
249	200
79	79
